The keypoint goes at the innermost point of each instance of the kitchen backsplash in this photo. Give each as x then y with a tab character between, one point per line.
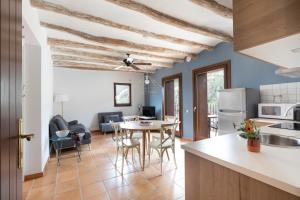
280	93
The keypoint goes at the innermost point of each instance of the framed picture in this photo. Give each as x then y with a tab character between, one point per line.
122	94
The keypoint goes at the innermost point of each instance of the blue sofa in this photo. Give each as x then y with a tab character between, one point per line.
104	118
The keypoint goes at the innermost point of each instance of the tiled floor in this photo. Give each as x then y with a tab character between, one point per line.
95	177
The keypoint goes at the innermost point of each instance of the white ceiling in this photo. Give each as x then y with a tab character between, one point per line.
180	9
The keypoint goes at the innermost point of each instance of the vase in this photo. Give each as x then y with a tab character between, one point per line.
253	145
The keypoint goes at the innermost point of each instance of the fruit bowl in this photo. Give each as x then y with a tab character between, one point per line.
62	133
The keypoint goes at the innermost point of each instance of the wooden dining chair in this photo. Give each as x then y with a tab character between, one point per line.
138	135
165	142
124	144
168	118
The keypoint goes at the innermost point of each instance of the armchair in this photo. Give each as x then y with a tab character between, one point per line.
59	123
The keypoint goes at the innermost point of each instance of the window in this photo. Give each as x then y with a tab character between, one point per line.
122	94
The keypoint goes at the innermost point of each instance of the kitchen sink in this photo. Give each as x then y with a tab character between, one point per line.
277	140
280	141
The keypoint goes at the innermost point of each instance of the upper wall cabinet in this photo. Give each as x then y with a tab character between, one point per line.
268	30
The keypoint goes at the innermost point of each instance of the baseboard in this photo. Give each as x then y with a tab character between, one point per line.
33	176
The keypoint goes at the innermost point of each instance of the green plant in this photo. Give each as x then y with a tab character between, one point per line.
249	130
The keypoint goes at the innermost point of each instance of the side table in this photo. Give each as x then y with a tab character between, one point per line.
57	144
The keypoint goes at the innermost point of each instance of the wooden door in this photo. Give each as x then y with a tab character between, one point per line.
200	114
169	98
168	104
11	73
202	131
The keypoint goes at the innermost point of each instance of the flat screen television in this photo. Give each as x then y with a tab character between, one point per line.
149	111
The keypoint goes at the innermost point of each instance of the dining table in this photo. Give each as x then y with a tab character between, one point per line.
146	129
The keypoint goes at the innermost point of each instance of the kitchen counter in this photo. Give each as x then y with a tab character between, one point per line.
275	166
277	131
271	121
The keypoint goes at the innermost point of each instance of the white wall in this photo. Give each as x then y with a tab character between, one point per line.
32	107
91	92
37	90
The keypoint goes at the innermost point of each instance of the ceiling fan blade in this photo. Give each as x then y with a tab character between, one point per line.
135	67
143	63
119	67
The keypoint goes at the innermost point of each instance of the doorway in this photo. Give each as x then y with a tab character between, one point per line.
206	83
172	99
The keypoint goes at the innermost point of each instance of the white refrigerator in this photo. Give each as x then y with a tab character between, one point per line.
234	106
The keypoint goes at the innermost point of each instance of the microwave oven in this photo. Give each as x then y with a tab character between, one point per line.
275	111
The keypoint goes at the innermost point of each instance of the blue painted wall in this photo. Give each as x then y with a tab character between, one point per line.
245	72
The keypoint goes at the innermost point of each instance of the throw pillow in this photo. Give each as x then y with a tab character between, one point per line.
114	118
61	124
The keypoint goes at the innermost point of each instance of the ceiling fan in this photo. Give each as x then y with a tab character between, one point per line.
129	62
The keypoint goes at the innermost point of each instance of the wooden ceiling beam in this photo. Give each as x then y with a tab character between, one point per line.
72	44
215	7
56	57
164	18
85	66
60	57
117	42
100	56
44	5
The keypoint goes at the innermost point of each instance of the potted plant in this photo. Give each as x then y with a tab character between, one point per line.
252	133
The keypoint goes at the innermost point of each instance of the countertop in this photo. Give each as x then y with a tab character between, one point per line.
277	131
279	167
271	121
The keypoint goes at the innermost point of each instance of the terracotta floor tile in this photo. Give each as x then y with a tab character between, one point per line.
122	193
135	178
72	195
154	195
42	192
172	191
103	196
94	189
142	189
27	185
67	175
160	181
96	177
66	186
89	178
114	183
43	181
108	174
24	195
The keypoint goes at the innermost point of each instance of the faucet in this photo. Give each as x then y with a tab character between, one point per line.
291	107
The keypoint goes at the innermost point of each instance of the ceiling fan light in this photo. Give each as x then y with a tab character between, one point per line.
147	81
188	58
129	59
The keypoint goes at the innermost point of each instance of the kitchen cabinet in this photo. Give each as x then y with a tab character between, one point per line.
206	180
268	30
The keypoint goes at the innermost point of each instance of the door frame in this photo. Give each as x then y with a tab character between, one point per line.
226	65
168	78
